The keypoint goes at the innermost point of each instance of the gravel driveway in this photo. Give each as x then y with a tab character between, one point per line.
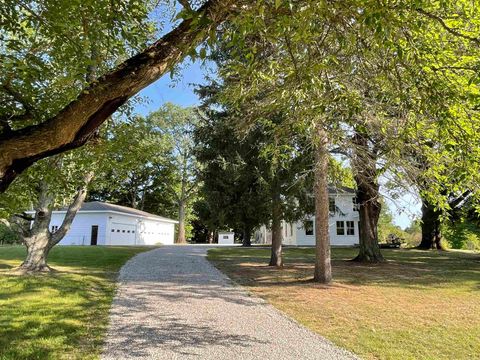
173	304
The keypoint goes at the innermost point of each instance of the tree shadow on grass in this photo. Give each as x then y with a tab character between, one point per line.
404	268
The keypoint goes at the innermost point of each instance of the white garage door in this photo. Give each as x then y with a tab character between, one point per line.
122	234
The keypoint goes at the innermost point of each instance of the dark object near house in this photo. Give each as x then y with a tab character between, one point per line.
393	242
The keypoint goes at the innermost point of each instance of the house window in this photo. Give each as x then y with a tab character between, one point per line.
356	205
113	230
308	227
340	227
291	230
350	228
123	231
331	205
118	230
225	236
54	228
133	231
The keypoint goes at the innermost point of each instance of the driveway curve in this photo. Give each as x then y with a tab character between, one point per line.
173	304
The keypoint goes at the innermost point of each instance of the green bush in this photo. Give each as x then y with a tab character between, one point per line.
462	235
7	236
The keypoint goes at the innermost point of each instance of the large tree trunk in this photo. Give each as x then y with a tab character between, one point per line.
276	253
364	168
78	120
369	250
431	236
247	235
39	240
323	267
38	247
181	224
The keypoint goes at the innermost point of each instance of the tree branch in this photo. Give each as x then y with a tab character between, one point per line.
24	216
72	210
448	28
185	4
22	227
75	124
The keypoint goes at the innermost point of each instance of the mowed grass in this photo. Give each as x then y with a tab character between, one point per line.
419	305
62	315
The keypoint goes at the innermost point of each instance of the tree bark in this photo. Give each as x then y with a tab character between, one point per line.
369	212
365	174
181	224
247	235
431	236
40	240
276	258
75	124
37	253
323	267
37	238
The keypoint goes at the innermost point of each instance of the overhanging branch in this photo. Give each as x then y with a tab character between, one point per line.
73	126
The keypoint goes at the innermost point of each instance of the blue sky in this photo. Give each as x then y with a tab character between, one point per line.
178	90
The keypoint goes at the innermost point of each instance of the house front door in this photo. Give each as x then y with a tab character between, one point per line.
94	236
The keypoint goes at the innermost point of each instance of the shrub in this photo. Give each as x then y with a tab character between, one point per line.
7	236
462	235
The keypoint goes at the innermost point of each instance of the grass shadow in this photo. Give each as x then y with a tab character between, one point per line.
403	268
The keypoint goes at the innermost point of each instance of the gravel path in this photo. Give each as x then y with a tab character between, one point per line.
173	304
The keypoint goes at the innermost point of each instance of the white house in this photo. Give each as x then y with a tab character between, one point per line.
99	223
343	223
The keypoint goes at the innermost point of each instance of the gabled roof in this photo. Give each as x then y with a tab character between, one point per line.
341	190
98	206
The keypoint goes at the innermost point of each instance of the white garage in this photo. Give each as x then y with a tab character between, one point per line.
100	223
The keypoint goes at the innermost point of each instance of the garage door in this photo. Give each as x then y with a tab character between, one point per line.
122	234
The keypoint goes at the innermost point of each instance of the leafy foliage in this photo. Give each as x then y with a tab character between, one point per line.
463	234
52	49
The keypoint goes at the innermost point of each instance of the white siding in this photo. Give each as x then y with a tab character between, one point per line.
263	235
344	202
226	238
288	233
115	229
81	229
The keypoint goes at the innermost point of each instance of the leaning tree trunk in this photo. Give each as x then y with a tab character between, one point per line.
38	239
431	236
247	235
276	252
323	267
364	167
181	224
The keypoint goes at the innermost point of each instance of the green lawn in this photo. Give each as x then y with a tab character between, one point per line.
62	315
419	305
